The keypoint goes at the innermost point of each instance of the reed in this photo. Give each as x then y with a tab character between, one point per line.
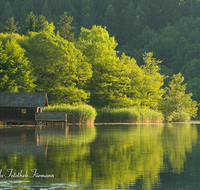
82	114
128	115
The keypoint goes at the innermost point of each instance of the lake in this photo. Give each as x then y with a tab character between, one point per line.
149	156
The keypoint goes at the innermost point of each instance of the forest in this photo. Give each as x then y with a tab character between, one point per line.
112	53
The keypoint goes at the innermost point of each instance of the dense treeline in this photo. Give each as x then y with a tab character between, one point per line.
117	15
75	65
170	28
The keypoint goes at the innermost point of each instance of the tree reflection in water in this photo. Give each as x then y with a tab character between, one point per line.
108	157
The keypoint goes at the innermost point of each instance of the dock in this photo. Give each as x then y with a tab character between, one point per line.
50	117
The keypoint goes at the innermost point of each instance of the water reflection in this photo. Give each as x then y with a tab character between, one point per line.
136	153
97	157
68	153
178	140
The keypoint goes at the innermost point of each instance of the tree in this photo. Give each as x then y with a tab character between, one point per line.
30	23
193	86
21	9
111	20
160	13
65	27
16	73
136	76
41	24
164	46
46	11
86	13
176	105
11	26
60	68
36	24
153	81
7	13
191	74
129	21
110	81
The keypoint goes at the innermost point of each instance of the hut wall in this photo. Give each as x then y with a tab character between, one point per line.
12	114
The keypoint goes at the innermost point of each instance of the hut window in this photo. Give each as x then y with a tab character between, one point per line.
39	110
23	111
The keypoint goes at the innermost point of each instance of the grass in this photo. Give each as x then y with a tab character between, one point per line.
83	114
128	115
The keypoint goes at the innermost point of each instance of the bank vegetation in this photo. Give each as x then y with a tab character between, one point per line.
90	70
83	114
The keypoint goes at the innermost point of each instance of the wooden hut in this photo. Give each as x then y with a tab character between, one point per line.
20	108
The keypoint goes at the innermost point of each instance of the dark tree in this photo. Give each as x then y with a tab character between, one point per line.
35	24
41	23
87	14
46	11
7	12
64	27
111	20
11	26
30	24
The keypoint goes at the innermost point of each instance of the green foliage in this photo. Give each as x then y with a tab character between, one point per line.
193	86
179	116
86	10
116	81
176	105
46	10
6	12
30	23
145	81
60	68
110	80
136	76
64	27
68	95
11	27
191	69
173	110
111	20
152	81
15	70
36	24
5	37
191	74
83	114
128	115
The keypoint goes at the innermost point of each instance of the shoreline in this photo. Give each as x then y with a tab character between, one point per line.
77	124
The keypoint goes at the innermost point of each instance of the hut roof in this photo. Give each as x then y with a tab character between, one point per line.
23	99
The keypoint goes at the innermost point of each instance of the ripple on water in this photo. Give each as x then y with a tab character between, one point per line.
11	184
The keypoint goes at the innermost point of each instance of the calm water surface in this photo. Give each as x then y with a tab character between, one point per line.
100	157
